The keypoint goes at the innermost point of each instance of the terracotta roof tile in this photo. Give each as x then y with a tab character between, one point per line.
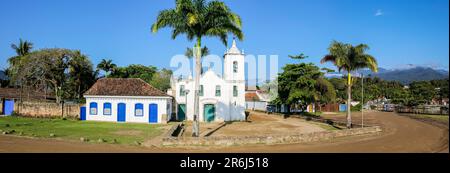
123	87
251	97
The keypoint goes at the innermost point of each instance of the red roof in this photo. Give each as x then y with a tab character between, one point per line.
123	87
251	96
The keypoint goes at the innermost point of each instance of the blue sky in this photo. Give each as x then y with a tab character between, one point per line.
399	32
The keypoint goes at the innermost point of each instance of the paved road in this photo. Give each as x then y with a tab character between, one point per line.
401	134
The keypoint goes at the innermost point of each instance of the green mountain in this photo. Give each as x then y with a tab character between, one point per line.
407	76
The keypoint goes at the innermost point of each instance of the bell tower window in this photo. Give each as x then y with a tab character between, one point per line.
235	66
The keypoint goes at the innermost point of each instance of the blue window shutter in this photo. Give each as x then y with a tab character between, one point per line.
107	109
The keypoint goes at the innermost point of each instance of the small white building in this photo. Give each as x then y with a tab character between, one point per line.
256	99
221	98
127	100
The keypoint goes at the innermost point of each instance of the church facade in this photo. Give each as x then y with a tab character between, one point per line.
221	98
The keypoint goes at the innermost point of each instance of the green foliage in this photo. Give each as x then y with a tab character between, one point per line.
199	18
75	130
66	73
423	91
161	79
303	84
150	74
356	108
135	71
350	58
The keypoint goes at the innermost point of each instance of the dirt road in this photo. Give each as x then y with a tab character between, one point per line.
401	134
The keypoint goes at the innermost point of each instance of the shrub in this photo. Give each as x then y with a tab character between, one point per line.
356	108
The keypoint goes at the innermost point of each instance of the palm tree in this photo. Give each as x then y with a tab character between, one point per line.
190	54
22	49
350	58
107	66
197	19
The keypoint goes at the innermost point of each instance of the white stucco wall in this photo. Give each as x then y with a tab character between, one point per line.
164	107
228	107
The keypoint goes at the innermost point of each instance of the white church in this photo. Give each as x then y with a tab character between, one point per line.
221	98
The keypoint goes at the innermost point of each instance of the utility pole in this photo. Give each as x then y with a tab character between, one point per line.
362	100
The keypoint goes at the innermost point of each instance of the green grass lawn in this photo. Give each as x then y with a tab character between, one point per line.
120	133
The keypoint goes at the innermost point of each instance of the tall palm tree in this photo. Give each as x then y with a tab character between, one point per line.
22	49
197	19
107	65
190	54
350	58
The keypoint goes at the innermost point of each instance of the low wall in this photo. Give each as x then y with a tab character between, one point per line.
256	105
47	110
267	139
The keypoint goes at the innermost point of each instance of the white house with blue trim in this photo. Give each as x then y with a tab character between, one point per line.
221	98
127	100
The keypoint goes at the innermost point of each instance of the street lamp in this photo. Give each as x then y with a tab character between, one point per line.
186	92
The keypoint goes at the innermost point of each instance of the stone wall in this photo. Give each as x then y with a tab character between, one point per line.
267	139
47	110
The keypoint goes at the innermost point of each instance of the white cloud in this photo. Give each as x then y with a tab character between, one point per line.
379	13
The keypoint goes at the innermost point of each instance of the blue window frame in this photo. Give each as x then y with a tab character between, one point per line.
106	108
139	109
93	108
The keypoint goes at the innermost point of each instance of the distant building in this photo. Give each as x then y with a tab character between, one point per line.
256	99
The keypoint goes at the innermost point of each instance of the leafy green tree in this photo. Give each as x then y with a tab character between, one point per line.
135	71
422	91
161	79
297	84
350	58
81	75
340	87
197	19
68	73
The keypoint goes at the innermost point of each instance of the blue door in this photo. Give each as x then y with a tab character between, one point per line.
209	113
181	112
342	107
82	113
8	107
153	113
121	109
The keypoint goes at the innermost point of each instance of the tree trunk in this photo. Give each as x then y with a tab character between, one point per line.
349	99
58	100
198	67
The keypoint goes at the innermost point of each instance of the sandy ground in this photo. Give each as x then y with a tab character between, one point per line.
262	124
401	134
